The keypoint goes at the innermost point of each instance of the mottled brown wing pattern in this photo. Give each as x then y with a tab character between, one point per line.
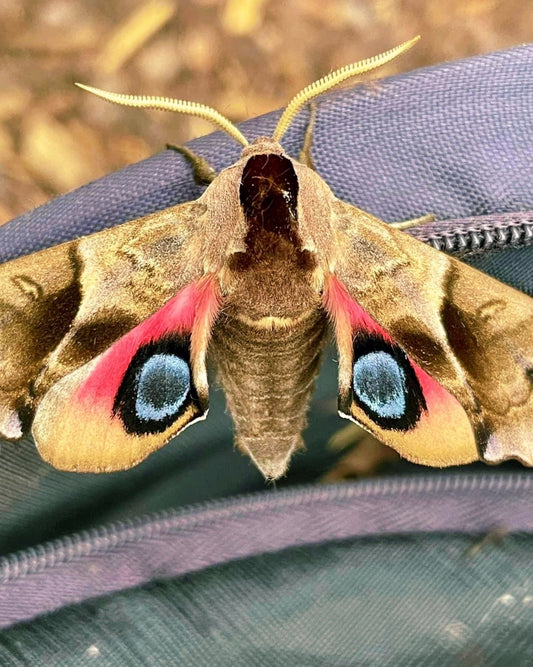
468	331
64	307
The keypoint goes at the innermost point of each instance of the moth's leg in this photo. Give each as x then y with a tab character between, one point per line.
305	154
494	537
414	222
203	172
365	455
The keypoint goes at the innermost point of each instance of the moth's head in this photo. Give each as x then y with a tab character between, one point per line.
291	110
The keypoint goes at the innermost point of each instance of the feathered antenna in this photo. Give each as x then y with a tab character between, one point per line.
208	113
170	104
333	79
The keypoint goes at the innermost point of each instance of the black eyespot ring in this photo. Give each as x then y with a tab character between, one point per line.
384	384
157	387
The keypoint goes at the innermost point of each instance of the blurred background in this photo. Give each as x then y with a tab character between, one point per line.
244	57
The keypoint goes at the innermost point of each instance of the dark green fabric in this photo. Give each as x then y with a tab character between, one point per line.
510	266
425	600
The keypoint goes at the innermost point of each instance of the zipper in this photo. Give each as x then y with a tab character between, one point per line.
478	235
174	543
103	538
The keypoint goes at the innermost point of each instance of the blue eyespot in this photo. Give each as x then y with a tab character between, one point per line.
158	389
163	384
385	385
379	383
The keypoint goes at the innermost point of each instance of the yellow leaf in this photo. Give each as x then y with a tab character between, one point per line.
133	33
241	17
57	155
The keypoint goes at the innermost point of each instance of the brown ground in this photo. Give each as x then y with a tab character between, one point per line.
244	57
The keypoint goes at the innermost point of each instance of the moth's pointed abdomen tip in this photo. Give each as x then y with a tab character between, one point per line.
273	470
275	465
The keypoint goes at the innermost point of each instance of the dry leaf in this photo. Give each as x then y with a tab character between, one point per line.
133	33
365	455
55	154
13	102
56	40
241	17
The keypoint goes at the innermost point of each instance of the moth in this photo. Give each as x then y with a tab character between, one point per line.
104	339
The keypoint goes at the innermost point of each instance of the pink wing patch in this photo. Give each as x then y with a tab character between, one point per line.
384	390
197	302
150	384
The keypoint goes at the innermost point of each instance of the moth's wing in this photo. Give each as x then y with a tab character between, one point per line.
113	411
39	298
95	334
436	358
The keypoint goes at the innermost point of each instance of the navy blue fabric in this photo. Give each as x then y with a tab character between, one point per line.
453	140
510	266
266	580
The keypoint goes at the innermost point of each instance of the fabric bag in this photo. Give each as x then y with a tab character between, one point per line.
190	558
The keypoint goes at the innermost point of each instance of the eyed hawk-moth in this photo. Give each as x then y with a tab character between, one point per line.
104	339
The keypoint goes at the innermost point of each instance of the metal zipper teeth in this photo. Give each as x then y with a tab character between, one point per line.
113	535
484	239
